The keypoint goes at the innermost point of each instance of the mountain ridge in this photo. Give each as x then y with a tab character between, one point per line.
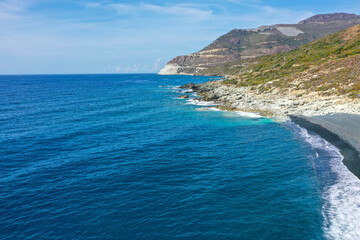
318	78
264	40
329	17
329	65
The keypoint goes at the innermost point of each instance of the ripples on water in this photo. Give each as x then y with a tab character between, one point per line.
119	157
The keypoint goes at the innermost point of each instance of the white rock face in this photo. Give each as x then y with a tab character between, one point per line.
169	69
289	31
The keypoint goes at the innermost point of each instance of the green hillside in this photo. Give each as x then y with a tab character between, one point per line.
329	65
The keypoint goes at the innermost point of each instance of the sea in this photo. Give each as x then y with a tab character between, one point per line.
121	156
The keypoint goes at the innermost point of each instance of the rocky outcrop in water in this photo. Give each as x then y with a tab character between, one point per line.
184	96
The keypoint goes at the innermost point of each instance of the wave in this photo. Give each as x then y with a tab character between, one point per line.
242	114
214	109
196	102
186	91
206	109
341	207
177	89
248	114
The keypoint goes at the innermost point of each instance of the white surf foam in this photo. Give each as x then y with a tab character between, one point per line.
177	89
248	114
214	109
341	209
186	91
234	113
182	90
204	109
200	103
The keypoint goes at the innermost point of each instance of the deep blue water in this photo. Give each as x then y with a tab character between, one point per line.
119	157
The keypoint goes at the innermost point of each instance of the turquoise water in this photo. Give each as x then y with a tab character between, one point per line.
120	157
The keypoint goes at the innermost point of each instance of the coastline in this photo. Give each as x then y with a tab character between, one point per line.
336	119
278	103
340	130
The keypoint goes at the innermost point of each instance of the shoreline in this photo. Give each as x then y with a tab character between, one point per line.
278	104
338	135
335	119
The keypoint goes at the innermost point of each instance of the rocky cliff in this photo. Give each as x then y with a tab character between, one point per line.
240	44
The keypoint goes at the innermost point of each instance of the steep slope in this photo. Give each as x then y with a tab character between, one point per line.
265	40
330	66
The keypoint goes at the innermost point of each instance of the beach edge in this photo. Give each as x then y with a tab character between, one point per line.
320	125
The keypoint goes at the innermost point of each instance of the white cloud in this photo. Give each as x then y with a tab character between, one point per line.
92	4
12	9
180	10
118	68
244	2
121	7
268	15
132	69
157	64
284	15
196	12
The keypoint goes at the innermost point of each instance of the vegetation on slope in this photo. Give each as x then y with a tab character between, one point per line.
330	65
265	40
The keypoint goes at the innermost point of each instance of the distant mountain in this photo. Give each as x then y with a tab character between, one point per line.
240	44
321	18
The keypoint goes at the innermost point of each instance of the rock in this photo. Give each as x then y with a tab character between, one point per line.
184	96
278	105
189	86
211	96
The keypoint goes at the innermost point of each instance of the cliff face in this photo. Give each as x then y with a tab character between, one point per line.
240	44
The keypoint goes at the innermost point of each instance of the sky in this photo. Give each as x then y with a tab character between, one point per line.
120	36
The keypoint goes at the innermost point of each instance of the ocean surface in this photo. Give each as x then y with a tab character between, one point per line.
121	157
